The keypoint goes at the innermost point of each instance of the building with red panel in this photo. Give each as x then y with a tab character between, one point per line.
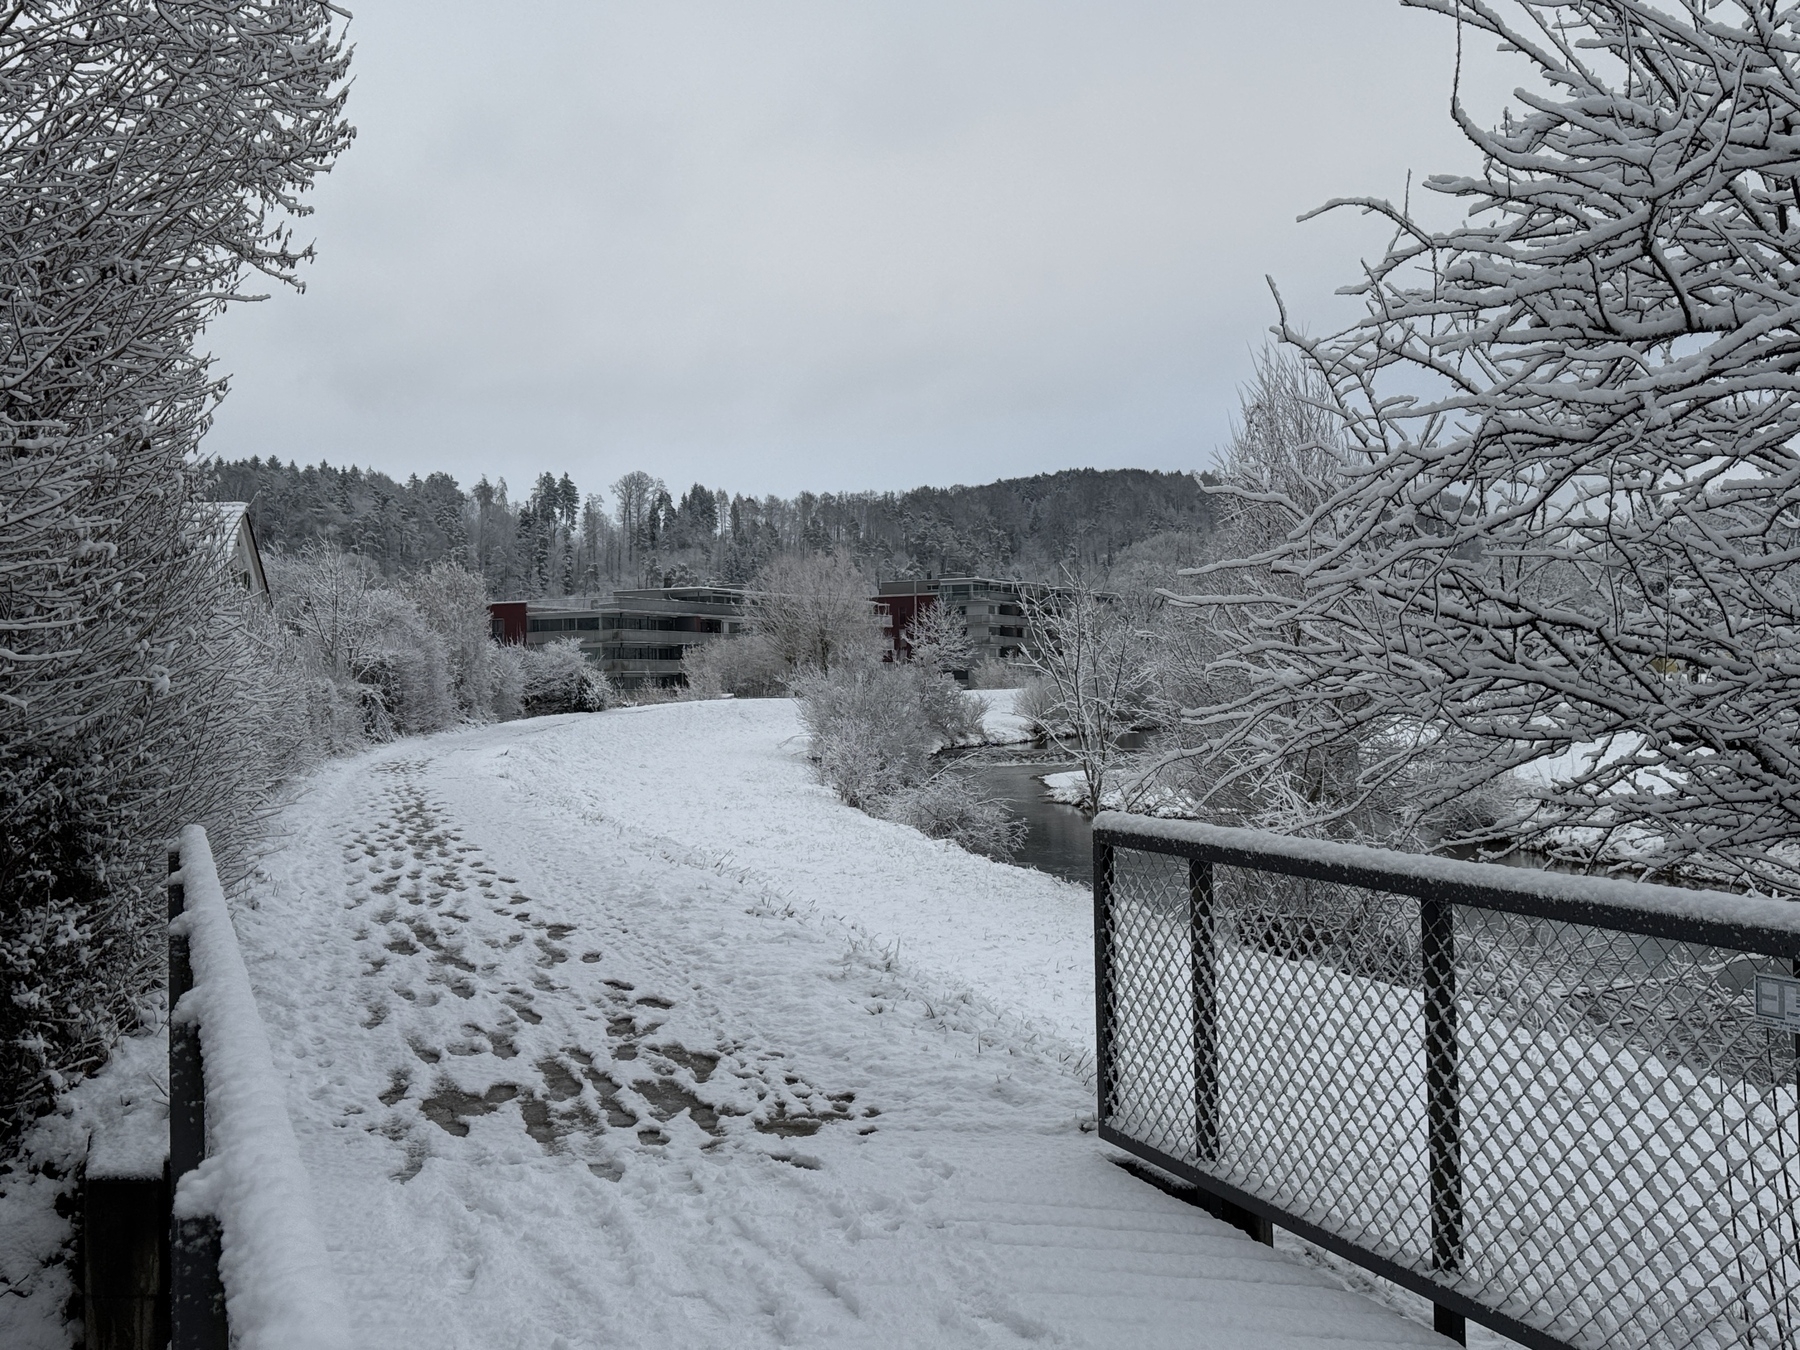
993	612
638	638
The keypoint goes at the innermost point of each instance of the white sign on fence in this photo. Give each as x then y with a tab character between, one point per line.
1778	1002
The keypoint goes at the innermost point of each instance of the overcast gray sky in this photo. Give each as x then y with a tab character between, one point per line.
831	245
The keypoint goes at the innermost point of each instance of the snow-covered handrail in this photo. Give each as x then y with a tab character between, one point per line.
276	1273
1720	917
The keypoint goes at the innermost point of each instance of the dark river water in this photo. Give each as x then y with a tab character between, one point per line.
1060	840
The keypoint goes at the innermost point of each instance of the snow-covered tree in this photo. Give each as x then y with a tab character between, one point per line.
1570	521
150	156
1287	459
1095	664
453	603
814	610
937	637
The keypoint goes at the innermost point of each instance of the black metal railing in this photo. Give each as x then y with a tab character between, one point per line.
1564	1107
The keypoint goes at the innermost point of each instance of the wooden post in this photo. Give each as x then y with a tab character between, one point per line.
125	1262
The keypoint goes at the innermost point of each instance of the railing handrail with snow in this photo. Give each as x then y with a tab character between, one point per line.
1565	1107
247	1264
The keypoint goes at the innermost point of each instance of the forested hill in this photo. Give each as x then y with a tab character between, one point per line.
555	539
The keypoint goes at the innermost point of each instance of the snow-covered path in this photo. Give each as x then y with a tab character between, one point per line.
618	1031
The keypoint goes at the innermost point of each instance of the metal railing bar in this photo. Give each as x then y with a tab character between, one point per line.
1202	963
1443	1096
1746	923
1103	965
1441	1296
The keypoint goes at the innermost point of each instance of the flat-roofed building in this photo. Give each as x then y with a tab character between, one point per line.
993	612
637	638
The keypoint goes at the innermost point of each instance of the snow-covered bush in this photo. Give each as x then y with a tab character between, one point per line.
151	155
371	661
559	679
742	667
509	682
947	806
999	675
389	670
869	735
874	729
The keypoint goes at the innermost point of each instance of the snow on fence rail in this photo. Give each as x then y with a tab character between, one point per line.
1564	1107
247	1264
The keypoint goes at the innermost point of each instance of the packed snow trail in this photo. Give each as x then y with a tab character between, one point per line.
617	1030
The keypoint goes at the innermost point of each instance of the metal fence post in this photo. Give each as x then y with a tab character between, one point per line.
1202	965
1103	879
196	1295
1443	1105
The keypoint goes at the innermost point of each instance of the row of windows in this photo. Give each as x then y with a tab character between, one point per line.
642	653
589	623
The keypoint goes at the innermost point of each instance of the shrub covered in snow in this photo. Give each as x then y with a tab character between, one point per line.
557	678
999	675
741	667
874	728
947	806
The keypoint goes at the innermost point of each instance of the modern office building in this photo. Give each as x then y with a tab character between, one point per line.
993	612
637	638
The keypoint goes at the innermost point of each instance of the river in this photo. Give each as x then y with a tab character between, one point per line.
1059	839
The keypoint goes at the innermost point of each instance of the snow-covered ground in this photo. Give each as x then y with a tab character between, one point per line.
619	1030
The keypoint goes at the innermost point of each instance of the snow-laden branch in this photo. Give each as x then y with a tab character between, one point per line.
1567	504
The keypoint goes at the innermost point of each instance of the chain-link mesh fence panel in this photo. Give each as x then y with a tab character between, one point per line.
1587	1131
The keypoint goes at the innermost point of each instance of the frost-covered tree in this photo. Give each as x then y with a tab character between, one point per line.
937	637
151	155
1095	661
1570	522
453	603
814	610
1287	458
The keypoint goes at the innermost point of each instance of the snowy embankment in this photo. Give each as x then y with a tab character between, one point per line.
620	1030
1000	724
